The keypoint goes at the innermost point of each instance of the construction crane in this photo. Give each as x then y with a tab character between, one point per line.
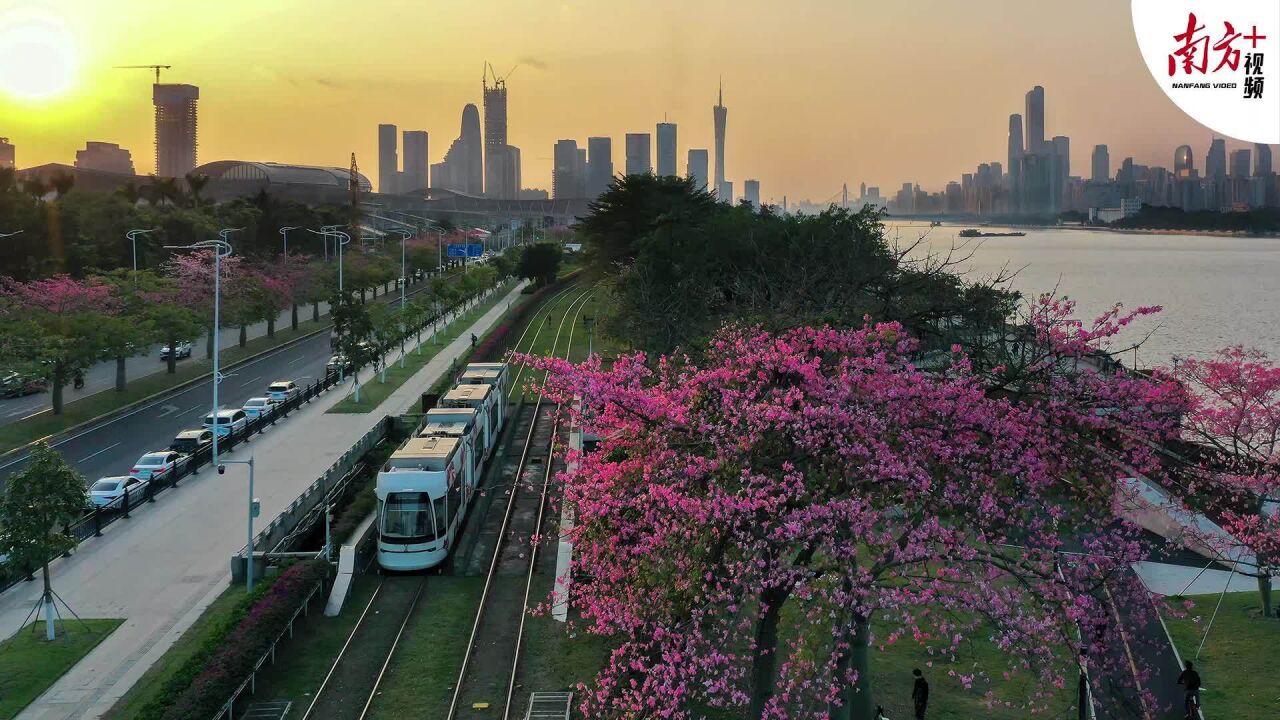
157	68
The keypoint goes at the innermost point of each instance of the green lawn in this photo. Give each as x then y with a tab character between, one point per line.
373	392
419	682
1235	665
85	409
29	664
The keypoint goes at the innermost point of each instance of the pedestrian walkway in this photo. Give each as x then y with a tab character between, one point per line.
162	568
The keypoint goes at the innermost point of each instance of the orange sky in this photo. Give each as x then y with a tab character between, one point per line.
819	92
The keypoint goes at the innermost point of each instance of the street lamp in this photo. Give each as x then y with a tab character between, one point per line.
15	232
254	508
133	238
284	232
221	248
326	231
404	235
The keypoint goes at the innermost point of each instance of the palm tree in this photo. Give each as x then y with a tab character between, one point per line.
165	189
34	187
131	192
196	183
62	184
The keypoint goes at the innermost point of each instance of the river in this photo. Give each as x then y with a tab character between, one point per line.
1215	291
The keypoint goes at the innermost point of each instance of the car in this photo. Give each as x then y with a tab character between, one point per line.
189	442
282	390
338	362
183	351
158	465
14	385
109	491
229	421
258	406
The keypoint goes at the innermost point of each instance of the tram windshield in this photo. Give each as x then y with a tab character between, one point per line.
406	516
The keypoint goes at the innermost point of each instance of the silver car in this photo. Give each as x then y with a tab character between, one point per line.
110	491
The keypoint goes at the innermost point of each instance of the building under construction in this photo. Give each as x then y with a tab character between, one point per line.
502	161
176	124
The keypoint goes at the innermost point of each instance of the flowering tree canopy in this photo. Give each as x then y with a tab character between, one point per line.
752	526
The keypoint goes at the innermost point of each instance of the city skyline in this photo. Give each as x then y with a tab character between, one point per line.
859	127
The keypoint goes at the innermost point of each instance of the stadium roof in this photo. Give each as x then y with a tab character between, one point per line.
279	174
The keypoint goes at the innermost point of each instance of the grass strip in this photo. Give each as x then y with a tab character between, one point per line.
29	664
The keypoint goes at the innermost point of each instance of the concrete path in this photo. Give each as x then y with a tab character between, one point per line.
162	568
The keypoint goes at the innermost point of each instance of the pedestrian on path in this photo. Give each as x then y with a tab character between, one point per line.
880	713
1190	682
920	694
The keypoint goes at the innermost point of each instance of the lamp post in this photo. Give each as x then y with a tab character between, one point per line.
133	238
254	508
221	249
10	234
284	233
404	235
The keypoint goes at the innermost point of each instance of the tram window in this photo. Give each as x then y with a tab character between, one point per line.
408	515
455	501
442	523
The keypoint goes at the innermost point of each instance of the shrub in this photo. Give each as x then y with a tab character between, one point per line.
248	640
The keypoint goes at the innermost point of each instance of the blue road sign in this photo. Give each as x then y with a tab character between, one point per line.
475	250
457	250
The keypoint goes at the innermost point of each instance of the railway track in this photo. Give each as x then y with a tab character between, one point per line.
491	643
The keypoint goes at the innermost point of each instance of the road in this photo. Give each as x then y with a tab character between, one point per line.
111	447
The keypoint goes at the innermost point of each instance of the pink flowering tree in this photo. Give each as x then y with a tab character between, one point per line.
299	277
1234	423
55	327
754	526
193	272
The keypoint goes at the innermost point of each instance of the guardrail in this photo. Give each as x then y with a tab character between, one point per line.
94	520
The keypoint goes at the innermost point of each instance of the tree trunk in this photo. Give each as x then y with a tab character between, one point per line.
208	344
271	326
59	378
172	360
294	318
361	296
1264	589
244	335
855	698
315	311
764	662
120	376
50	625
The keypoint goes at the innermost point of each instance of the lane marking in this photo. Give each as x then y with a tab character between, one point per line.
168	410
252	379
90	457
38	412
293	361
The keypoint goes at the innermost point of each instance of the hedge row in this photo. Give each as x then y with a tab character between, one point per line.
494	344
228	655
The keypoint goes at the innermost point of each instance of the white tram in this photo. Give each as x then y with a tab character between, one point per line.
428	484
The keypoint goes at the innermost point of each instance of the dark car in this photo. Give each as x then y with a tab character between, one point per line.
189	441
14	385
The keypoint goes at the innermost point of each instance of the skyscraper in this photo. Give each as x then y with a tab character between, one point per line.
666	148
599	165
388	159
1261	159
580	174
1240	163
1015	161
1060	151
697	168
720	114
8	154
501	160
1101	164
564	172
1035	119
176	126
105	157
475	156
638	154
1184	163
751	192
414	176
1215	163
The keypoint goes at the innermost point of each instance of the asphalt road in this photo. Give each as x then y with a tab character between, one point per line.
111	447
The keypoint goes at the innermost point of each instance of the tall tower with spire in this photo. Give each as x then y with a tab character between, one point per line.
720	114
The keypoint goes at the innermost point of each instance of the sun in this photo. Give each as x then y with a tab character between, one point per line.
38	57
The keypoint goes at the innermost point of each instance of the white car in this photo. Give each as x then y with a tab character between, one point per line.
259	406
157	465
108	491
282	390
229	421
183	351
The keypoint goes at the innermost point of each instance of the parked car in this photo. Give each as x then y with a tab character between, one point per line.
282	390
259	406
14	385
229	421
339	362
108	491
158	465
189	442
183	351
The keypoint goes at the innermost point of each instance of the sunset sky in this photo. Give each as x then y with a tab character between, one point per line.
819	92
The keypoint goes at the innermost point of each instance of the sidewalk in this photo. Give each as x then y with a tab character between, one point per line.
162	568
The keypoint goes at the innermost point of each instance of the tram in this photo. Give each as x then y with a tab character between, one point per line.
427	485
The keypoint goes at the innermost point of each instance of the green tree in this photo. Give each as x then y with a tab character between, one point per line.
540	262
353	334
39	501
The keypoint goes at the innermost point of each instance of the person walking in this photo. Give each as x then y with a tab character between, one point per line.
920	694
1190	682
